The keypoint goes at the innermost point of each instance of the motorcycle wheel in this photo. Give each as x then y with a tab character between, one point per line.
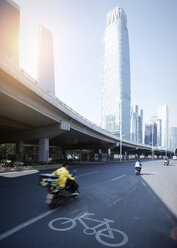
56	201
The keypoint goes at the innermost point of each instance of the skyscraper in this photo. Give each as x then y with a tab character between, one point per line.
173	138
159	129
45	72
150	137
133	124
9	29
163	114
140	127
136	125
116	75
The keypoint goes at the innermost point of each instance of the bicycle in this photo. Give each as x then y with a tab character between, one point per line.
66	224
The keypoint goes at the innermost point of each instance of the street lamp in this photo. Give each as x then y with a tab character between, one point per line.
152	140
152	152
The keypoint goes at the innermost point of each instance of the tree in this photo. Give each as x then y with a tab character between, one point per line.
7	149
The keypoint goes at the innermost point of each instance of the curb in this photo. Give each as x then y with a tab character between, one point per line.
54	166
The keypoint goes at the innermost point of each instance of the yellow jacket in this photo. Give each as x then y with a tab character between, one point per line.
63	176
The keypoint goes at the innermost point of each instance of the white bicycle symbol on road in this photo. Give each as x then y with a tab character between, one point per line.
103	236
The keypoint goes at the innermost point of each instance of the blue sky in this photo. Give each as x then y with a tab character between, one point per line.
78	30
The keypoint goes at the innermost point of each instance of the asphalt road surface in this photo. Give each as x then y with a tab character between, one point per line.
116	208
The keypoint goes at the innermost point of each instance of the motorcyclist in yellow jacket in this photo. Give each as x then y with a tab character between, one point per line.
63	176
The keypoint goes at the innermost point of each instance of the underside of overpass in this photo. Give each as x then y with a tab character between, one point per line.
29	114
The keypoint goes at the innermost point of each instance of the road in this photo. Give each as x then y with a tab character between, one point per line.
116	208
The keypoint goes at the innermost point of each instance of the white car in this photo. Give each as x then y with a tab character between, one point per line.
174	157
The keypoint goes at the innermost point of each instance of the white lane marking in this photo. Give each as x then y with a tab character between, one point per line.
75	211
118	200
25	224
82	175
18	173
134	188
143	183
116	178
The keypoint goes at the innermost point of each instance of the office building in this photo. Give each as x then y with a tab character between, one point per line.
133	126
115	116
150	136
173	138
163	114
140	127
9	29
45	71
159	129
136	125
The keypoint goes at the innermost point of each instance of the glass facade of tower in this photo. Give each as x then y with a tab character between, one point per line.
140	127
133	127
163	114
116	75
150	137
159	129
173	138
136	125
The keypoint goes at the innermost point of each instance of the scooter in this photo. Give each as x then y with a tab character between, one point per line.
57	195
166	162
138	170
138	167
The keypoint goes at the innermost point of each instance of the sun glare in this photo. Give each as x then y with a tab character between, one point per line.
28	47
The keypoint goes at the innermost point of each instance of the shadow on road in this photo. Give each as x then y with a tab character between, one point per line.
154	224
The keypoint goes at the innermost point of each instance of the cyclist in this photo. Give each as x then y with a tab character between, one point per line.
66	181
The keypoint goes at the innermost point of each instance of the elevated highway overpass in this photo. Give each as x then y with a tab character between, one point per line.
32	115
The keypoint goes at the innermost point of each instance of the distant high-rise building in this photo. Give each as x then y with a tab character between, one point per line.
9	29
159	129
133	126
136	126
173	138
140	127
163	114
116	75
45	72
150	137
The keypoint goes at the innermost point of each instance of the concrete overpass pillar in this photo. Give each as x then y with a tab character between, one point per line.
109	154
100	155
19	150
152	154
44	150
125	157
63	156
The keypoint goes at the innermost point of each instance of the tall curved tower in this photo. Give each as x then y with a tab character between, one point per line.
116	98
